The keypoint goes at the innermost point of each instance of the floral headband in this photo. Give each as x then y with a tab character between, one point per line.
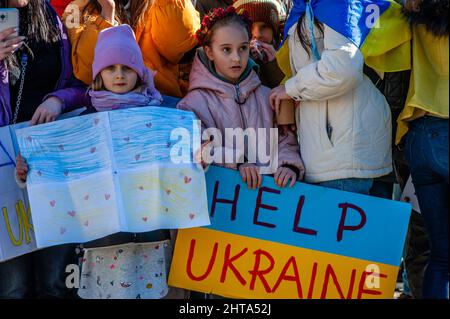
217	15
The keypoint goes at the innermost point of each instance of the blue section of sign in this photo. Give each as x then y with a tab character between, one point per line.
372	229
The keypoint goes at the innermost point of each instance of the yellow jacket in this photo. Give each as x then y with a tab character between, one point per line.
169	32
428	89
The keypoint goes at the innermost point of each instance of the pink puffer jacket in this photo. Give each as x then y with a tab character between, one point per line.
215	104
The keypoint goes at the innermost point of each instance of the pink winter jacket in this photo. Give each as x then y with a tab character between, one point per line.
214	103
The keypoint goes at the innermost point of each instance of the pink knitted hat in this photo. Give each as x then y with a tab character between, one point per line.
117	45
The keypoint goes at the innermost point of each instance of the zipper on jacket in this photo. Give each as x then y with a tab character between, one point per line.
241	113
239	103
329	127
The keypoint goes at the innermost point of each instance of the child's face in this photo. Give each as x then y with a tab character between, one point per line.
229	51
262	32
119	78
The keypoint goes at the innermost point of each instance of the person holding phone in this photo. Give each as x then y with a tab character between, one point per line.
37	85
39	56
9	32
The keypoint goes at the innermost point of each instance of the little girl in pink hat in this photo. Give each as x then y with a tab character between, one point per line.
121	80
120	77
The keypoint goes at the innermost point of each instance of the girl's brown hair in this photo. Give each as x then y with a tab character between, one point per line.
302	32
221	17
136	16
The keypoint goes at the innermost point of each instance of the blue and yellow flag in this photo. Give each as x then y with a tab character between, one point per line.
377	27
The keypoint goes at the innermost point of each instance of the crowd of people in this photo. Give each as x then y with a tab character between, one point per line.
343	123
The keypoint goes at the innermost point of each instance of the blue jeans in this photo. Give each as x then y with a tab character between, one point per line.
353	185
426	150
40	274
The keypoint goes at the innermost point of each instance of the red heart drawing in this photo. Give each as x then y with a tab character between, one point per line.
86	197
149	125
187	180
72	213
62	230
53	203
137	157
144	219
191	216
107	196
157	247
168	191
93	149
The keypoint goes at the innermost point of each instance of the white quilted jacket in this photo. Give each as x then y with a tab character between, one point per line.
344	122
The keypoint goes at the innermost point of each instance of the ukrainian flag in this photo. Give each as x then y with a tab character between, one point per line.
377	27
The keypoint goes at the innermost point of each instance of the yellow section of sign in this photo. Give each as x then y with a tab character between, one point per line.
242	267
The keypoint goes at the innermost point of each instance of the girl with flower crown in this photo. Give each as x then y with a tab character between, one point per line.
226	93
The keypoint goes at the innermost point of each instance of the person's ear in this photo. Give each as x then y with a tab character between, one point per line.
208	51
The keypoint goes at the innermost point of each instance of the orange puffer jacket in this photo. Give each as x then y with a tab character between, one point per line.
168	33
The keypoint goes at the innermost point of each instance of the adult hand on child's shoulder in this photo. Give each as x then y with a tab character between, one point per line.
8	43
48	111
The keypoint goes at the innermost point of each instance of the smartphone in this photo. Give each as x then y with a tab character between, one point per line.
9	18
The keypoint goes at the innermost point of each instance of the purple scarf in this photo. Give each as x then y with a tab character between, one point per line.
146	96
